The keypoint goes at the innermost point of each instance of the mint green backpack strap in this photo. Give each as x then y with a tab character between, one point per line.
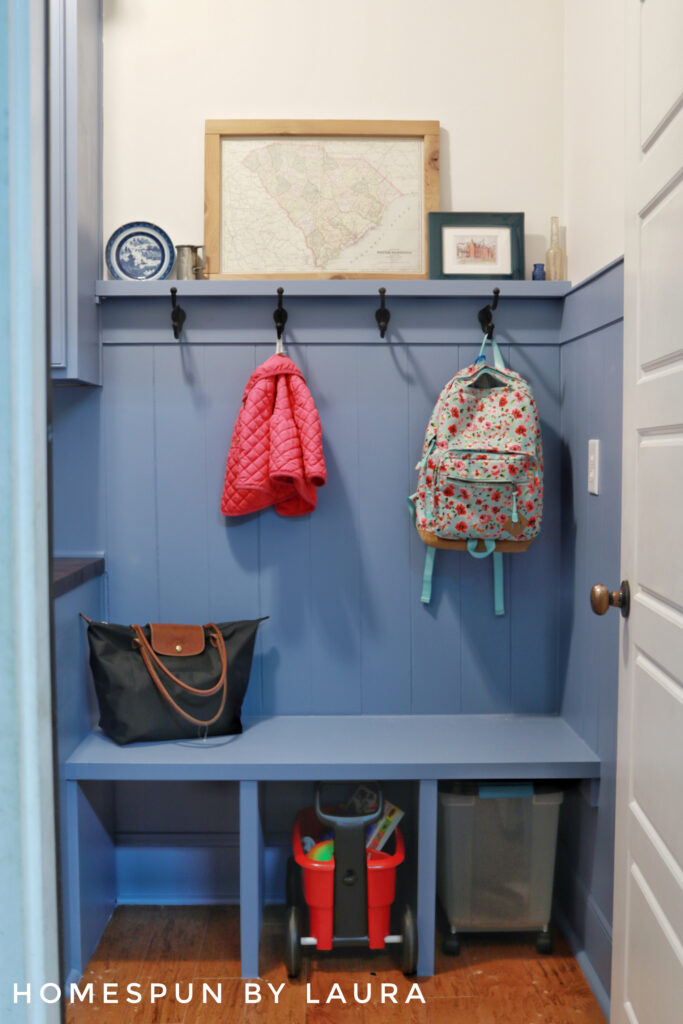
426	594
411	507
498	597
490	549
498	360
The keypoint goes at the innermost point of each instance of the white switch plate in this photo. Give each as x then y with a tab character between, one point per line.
593	466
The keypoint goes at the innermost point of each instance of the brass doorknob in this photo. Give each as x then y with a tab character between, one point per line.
602	598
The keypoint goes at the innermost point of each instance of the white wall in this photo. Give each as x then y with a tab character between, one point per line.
490	71
593	133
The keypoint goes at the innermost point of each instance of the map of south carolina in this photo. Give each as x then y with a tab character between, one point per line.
333	200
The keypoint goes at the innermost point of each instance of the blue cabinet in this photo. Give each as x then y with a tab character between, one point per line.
74	172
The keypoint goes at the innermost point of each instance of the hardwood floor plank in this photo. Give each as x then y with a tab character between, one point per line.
453	977
118	960
219	956
272	964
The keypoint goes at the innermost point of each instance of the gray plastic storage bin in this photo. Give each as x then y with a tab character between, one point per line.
496	858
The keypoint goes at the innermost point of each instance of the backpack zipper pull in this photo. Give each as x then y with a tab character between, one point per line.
423	462
515	517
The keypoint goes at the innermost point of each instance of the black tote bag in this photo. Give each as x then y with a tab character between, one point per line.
168	681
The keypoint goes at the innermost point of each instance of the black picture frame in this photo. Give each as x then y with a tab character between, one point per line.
511	223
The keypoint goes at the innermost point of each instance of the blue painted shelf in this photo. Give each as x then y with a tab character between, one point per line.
316	289
308	747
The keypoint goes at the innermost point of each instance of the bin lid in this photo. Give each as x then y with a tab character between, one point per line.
503	790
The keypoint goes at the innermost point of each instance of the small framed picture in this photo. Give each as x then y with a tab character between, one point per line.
471	245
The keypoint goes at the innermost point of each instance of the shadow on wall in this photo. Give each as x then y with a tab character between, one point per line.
568	568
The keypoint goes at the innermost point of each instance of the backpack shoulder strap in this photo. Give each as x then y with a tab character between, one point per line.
430	553
426	594
498	360
497	559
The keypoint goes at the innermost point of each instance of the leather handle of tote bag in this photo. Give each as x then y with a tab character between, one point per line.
150	657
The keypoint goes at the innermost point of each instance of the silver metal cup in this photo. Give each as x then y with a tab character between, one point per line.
188	263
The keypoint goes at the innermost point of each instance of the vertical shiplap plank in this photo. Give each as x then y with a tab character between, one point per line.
286	594
333	644
485	651
534	574
130	483
592	384
286	597
233	588
179	411
574	464
436	628
384	528
581	431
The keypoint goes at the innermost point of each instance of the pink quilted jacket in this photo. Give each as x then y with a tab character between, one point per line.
276	455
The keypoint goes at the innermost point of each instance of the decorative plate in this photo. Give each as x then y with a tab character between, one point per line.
139	251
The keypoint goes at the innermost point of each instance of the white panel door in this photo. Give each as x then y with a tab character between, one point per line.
647	968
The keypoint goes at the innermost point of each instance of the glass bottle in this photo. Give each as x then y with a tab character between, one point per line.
554	257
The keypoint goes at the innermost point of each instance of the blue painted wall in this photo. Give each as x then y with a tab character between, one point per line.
347	632
591	382
77	471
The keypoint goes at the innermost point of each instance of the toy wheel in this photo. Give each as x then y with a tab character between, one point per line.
544	942
293	942
293	887
409	947
451	945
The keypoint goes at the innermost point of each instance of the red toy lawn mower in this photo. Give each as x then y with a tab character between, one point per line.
349	895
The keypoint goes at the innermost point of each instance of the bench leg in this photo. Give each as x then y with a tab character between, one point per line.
72	909
90	872
426	876
251	877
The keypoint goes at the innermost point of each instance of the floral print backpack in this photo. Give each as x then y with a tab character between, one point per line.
480	484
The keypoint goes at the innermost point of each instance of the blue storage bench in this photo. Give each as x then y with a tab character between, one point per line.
422	748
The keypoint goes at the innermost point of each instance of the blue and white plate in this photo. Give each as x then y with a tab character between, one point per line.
140	251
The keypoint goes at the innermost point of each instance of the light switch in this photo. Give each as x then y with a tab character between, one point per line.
593	466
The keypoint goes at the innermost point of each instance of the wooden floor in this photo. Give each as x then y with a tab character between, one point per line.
495	980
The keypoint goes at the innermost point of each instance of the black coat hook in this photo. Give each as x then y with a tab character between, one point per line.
484	315
382	316
280	314
178	315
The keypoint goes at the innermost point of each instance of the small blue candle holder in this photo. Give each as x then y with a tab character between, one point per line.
538	273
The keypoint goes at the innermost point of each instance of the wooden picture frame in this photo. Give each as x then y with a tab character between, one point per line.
497	240
321	207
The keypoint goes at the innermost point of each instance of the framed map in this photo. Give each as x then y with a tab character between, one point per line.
320	199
